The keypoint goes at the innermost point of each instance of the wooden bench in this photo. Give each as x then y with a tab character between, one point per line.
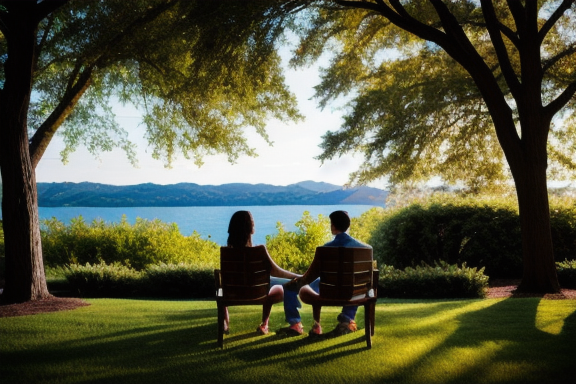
347	277
243	279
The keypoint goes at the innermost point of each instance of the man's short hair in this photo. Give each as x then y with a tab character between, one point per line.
340	220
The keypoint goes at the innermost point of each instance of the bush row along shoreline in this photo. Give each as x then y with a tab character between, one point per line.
445	246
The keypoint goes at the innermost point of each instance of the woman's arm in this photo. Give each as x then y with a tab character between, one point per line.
276	271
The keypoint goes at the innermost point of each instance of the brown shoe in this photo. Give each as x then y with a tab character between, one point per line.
343	328
293	330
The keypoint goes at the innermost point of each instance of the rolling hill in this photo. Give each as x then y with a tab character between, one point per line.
189	194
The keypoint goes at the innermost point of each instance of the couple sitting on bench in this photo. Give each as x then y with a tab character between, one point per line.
286	285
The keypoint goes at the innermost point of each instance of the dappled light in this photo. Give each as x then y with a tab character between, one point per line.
150	341
454	362
551	315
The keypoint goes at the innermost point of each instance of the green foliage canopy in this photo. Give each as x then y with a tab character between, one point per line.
413	111
201	72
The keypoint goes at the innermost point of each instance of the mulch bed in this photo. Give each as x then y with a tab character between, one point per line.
507	288
498	289
50	304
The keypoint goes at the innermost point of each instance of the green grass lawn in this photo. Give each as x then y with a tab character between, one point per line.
151	341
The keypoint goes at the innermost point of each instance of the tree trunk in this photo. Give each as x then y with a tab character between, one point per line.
539	274
25	278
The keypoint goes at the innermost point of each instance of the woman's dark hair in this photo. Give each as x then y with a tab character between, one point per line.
240	229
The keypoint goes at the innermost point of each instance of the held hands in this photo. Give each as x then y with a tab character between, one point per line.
293	285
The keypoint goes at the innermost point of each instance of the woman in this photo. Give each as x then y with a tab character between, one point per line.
240	231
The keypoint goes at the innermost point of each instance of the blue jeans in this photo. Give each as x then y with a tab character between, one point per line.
292	304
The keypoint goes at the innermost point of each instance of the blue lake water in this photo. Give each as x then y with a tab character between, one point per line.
209	222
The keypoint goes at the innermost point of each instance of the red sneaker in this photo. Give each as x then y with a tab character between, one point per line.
293	330
352	326
262	329
316	330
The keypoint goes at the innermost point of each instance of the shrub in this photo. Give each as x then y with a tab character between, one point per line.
483	232
178	280
441	281
102	280
563	226
294	251
566	273
147	242
361	228
116	280
480	235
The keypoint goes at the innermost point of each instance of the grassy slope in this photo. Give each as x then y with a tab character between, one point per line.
146	341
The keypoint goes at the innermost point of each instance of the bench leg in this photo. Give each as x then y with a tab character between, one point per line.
221	315
368	324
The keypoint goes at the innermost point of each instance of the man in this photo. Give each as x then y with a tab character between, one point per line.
339	224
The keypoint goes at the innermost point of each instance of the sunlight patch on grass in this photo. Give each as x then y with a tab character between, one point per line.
449	364
550	315
427	326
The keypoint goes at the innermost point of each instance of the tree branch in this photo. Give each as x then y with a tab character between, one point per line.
76	88
46	131
150	16
566	4
361	5
509	33
404	20
552	108
500	48
547	64
46	7
73	76
518	13
454	30
46	32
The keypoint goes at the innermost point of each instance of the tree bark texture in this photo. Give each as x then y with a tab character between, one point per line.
25	278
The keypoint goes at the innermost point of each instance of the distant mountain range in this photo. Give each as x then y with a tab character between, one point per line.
189	194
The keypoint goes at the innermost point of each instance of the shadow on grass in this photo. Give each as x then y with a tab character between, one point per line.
415	342
489	347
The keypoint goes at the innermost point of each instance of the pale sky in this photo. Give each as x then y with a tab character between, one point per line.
289	160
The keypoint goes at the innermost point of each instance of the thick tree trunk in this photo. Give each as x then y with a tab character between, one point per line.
25	278
539	273
528	167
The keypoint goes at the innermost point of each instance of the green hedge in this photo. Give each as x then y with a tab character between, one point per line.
101	280
178	280
116	280
186	281
566	273
147	242
441	281
479	232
